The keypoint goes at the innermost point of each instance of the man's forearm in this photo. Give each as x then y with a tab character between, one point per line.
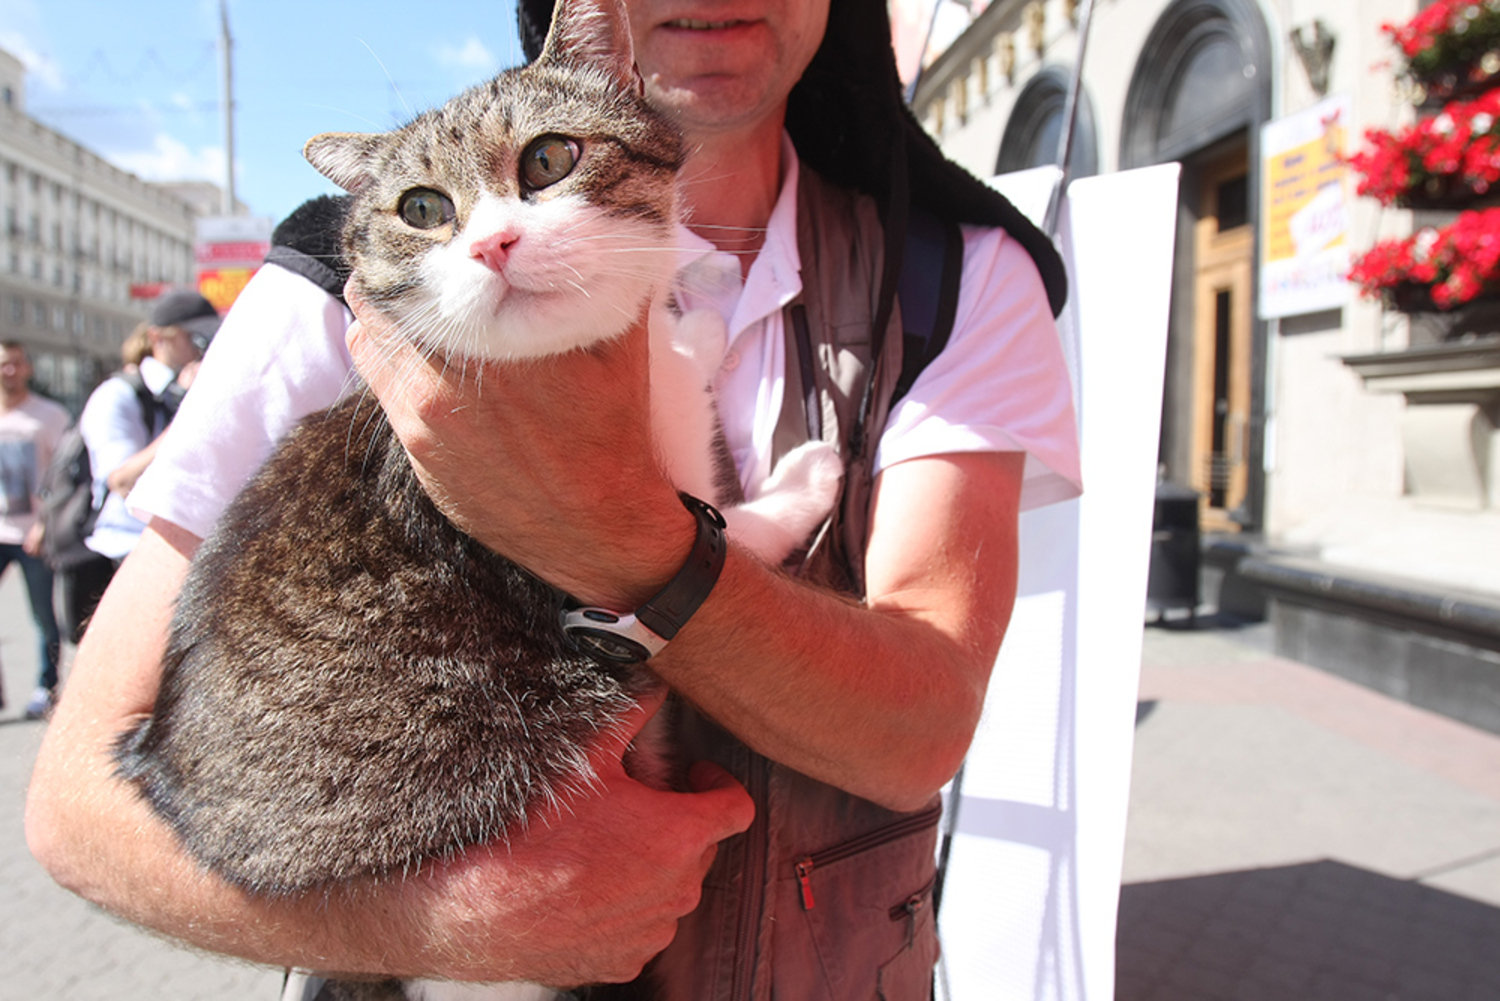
99	839
822	691
880	698
485	916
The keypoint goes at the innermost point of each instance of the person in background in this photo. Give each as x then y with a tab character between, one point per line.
137	346
30	426
122	424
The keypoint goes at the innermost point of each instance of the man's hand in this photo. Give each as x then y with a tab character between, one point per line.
592	890
122	479
547	461
32	544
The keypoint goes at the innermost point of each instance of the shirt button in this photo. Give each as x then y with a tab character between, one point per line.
731	361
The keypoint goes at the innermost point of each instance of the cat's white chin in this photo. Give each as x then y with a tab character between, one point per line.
535	324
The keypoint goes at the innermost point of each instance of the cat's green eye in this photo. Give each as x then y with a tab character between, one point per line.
548	160
423	208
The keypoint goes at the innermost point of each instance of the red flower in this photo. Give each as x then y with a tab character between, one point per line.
1457	151
1444	45
1455	264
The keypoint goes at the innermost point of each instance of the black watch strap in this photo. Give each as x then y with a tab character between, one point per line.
630	638
670	608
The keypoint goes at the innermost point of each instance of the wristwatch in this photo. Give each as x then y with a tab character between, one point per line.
632	637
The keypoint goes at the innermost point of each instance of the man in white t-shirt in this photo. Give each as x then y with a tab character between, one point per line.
30	427
873	699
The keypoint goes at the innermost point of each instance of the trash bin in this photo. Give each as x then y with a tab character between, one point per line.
1172	581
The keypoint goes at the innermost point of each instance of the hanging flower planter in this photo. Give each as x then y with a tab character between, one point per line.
1450	47
1435	268
1445	161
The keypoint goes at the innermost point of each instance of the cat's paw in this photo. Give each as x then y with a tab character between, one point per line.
811	471
796	498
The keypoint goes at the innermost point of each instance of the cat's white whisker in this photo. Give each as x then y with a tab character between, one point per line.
758	230
392	80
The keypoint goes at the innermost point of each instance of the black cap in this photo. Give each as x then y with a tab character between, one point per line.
848	118
186	309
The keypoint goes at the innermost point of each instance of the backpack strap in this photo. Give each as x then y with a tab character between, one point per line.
309	267
927	288
931	268
148	401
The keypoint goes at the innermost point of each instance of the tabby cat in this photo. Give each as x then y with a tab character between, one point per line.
353	687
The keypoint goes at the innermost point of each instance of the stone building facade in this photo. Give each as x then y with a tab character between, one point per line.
1346	458
83	248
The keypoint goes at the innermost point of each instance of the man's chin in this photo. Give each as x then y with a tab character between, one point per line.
714	105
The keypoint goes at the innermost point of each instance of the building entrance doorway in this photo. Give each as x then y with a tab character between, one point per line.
1220	398
1200	93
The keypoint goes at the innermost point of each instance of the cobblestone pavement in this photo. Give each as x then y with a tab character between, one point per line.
1292	837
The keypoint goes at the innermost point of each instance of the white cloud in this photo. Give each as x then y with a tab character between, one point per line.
171	160
471	55
38	66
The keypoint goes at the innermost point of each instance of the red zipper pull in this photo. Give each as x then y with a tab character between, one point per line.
804	879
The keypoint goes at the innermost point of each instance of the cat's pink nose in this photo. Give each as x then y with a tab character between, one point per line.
494	250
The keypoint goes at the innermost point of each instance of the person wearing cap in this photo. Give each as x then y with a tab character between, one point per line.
183	311
821	724
122	434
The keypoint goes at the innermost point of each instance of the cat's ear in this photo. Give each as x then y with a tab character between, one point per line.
345	158
593	33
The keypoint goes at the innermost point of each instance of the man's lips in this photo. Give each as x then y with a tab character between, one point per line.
693	24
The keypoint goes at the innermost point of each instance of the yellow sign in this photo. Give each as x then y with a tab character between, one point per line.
1301	215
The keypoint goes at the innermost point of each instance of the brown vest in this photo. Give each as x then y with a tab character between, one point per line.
827	896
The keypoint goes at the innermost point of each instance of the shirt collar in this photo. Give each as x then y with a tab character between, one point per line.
708	277
775	277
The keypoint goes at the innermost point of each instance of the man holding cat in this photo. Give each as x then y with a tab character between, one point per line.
847	711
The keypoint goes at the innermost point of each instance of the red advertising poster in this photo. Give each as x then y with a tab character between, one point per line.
228	250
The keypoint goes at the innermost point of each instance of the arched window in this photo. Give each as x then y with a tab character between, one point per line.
1198	79
1035	127
1199	95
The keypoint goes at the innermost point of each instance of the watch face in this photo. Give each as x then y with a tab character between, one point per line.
606	645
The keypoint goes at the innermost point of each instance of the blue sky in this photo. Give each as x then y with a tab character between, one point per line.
140	83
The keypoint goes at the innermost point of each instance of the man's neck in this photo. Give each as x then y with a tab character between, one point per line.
730	186
10	401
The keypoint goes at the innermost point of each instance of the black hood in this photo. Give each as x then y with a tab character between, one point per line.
850	122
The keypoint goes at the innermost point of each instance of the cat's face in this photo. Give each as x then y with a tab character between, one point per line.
529	216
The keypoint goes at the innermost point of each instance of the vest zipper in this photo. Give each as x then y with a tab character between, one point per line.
847	849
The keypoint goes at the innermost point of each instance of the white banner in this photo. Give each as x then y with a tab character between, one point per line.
1028	907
